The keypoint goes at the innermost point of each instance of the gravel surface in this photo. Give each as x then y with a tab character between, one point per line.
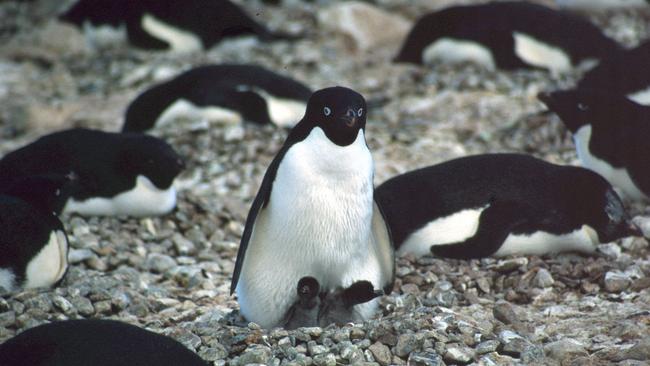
172	274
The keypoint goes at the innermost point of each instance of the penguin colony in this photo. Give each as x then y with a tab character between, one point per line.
317	212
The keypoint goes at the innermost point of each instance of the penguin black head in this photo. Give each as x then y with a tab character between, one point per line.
339	111
359	293
308	289
152	157
606	214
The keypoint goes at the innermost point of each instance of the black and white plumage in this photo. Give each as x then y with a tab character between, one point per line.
320	309
94	342
622	73
115	174
507	35
33	242
179	25
501	204
611	136
254	93
314	214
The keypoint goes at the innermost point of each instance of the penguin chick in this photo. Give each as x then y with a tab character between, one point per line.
610	134
258	95
338	306
304	313
506	35
115	174
314	214
33	242
177	25
501	204
94	342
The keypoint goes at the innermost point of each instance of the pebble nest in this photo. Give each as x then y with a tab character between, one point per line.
171	274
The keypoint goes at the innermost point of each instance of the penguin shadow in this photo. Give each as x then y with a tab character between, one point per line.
316	308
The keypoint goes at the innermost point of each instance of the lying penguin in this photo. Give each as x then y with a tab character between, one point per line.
94	342
506	35
501	204
178	25
622	73
114	174
253	92
33	242
314	214
611	136
316	309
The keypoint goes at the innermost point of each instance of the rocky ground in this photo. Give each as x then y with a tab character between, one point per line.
172	274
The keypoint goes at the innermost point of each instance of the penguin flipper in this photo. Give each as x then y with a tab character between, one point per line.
384	249
495	224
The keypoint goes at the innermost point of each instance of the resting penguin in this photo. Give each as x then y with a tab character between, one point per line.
315	308
178	25
314	214
95	342
611	136
115	174
501	204
508	35
33	242
623	73
257	94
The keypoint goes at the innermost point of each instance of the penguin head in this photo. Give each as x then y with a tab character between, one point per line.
359	293
340	112
308	289
151	157
603	209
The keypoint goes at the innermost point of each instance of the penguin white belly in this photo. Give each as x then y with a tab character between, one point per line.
454	228
179	40
49	265
7	280
642	96
452	50
618	177
183	108
540	54
141	201
317	223
283	112
584	239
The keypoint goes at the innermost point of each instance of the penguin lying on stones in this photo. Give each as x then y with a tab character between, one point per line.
253	92
314	214
506	35
611	136
33	242
623	73
178	25
115	174
94	342
316	309
501	204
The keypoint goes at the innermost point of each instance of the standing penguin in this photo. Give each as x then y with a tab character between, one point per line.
611	136
501	204
622	73
508	35
314	214
33	242
115	174
255	93
179	25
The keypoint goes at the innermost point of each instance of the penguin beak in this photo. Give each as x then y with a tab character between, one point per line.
350	118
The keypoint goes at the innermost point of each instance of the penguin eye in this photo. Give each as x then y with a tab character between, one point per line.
360	112
583	107
327	111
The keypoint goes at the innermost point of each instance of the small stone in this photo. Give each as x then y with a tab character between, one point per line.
616	282
83	305
406	343
425	359
255	353
504	312
487	347
79	255
483	284
381	353
564	350
326	359
509	265
458	354
640	351
160	263
183	246
610	250
212	354
103	307
543	278
513	343
7	319
316	349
